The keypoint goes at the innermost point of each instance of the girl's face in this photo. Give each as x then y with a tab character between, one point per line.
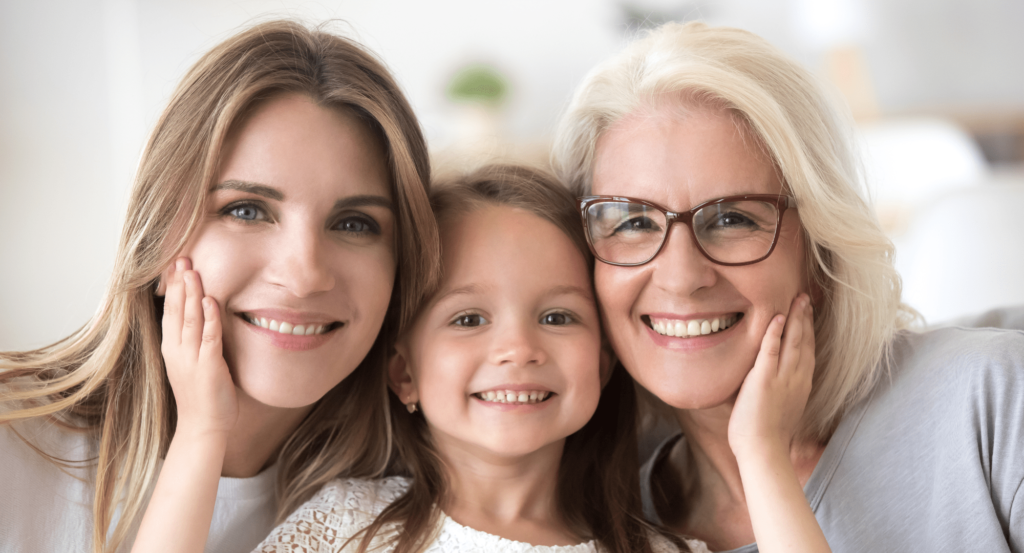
506	358
679	160
297	247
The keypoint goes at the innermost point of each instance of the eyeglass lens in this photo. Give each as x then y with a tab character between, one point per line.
728	232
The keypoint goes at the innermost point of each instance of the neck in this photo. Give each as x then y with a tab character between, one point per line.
514	497
258	435
715	504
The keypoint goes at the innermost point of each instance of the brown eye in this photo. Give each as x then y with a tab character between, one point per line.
469	320
556	319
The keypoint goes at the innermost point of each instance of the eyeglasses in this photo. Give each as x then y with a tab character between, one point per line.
735	230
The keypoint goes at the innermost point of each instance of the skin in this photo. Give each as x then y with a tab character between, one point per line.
496	325
299	229
679	156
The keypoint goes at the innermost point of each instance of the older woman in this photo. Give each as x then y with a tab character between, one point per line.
910	441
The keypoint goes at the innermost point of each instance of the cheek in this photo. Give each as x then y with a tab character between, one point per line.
368	278
224	261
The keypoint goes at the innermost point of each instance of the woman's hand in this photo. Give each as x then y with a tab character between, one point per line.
192	349
770	402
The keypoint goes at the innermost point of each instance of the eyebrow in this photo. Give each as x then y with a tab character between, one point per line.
460	291
275	194
570	290
363	200
250	187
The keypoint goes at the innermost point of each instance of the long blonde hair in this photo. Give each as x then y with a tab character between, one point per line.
809	141
108	378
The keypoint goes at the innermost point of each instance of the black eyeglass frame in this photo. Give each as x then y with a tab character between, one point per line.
780	201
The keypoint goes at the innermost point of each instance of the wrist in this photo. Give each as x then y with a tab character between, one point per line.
760	450
196	432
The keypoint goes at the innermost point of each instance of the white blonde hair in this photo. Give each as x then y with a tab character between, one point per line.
849	258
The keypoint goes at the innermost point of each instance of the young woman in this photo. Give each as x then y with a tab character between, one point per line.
289	171
716	129
514	431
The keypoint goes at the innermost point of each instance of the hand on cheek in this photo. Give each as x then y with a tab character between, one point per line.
193	355
771	401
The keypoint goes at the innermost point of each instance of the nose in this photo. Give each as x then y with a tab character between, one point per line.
680	267
516	345
298	262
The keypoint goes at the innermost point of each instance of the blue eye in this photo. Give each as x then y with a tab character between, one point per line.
469	321
245	212
358	225
556	318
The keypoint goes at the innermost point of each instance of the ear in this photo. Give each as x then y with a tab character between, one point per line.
400	378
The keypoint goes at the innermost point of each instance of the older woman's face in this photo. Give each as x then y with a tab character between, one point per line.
679	159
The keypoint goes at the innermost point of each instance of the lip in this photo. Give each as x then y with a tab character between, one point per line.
528	387
697	342
292	316
287	341
517	408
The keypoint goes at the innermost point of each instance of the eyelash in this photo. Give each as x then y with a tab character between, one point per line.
462	316
569	318
261	212
372	227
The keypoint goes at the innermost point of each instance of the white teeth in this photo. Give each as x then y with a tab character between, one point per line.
508	396
286	328
695	327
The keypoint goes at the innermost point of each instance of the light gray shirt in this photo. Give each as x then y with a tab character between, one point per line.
933	460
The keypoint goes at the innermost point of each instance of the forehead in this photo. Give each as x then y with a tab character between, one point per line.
680	155
292	143
509	249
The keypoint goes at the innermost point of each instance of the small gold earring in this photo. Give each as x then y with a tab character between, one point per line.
411	407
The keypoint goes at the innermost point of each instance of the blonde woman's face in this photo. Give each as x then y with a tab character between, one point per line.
678	161
297	247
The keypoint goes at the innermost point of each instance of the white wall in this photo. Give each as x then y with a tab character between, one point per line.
83	80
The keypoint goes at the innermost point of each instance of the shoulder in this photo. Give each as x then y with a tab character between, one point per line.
958	355
339	511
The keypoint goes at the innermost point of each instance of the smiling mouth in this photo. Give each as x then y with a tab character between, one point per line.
289	328
525	397
679	328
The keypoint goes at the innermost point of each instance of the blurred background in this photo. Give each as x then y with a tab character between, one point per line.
936	86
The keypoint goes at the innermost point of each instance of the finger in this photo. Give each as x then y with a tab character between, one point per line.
212	347
807	346
174	306
767	361
792	336
192	321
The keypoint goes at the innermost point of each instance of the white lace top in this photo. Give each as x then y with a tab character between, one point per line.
344	507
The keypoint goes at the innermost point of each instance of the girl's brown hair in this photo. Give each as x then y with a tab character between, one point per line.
108	378
598	482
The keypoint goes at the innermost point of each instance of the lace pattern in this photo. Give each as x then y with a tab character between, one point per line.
344	507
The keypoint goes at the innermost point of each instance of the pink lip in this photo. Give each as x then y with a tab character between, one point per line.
516	388
689	344
518	408
691	316
294	317
290	341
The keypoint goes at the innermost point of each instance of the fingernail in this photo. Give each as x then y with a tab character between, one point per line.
179	265
780	319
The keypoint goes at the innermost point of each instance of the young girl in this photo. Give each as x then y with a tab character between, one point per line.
514	430
289	171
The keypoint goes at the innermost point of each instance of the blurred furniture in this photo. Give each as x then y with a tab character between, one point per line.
963	252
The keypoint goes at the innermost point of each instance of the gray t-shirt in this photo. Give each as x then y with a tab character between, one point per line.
933	460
